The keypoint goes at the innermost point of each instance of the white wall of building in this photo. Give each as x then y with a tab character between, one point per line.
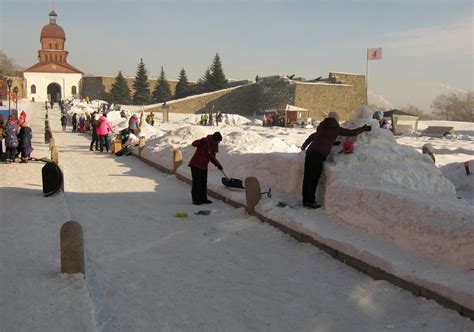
41	80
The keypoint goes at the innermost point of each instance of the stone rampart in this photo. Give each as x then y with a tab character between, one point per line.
238	100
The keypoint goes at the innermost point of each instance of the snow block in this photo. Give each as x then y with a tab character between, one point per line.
52	142
72	248
252	193
177	159
55	155
47	134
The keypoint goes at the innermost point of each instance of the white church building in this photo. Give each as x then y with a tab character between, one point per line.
52	78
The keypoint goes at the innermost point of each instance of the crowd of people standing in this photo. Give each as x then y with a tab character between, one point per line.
18	137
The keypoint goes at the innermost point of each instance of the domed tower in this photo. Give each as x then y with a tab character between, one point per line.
52	78
52	41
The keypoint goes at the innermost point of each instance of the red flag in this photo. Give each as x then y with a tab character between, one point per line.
374	53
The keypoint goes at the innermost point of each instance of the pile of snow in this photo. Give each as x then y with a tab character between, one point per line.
384	188
398	193
464	183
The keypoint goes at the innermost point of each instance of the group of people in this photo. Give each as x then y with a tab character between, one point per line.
208	119
273	119
18	137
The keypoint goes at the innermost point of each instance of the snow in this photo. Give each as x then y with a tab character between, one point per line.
147	270
384	188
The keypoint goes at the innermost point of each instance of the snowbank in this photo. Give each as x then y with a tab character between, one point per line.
384	188
396	192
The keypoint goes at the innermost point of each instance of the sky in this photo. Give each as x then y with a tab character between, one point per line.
427	44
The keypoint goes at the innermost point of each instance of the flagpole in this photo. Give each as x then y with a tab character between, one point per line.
367	74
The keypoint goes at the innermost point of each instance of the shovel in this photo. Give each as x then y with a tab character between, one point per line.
237	183
231	182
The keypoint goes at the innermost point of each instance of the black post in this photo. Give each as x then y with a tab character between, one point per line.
15	91
9	84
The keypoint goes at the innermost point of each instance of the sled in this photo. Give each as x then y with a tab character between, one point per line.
238	184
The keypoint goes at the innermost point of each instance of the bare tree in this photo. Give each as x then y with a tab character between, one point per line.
415	110
454	106
8	65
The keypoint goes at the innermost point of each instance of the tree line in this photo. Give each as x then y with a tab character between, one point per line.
450	107
213	79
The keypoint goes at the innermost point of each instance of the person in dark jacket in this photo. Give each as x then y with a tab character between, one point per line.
320	144
63	122
74	122
24	137
95	137
11	140
207	148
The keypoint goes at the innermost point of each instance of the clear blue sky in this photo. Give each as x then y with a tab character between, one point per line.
427	44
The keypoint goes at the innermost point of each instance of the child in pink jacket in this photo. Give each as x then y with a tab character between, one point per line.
102	131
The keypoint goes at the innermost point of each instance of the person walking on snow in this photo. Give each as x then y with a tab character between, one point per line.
320	144
95	137
207	148
64	122
74	122
102	131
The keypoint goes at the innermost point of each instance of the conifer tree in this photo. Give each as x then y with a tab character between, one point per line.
141	86
183	89
162	90
120	92
218	80
205	82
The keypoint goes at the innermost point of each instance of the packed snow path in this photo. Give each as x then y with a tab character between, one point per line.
148	270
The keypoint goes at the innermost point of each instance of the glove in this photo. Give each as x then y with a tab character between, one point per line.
337	143
203	142
367	128
220	168
302	148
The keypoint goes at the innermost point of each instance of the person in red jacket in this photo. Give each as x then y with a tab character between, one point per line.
207	148
320	144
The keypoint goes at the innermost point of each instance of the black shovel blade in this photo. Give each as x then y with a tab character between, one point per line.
233	183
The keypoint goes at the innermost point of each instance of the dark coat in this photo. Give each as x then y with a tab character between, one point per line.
323	139
11	138
63	120
25	136
205	152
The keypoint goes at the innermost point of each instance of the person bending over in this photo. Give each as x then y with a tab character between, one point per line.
207	147
320	144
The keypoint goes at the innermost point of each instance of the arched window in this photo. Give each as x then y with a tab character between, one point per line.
73	90
50	46
56	46
33	89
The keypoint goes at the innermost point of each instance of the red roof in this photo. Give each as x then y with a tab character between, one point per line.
52	67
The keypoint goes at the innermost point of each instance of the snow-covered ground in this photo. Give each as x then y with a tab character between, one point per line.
147	270
387	187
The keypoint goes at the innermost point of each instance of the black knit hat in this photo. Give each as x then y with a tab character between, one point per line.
217	137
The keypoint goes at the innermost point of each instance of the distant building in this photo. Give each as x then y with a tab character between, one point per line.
52	78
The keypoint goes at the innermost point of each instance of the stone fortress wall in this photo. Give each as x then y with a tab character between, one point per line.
251	98
275	92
